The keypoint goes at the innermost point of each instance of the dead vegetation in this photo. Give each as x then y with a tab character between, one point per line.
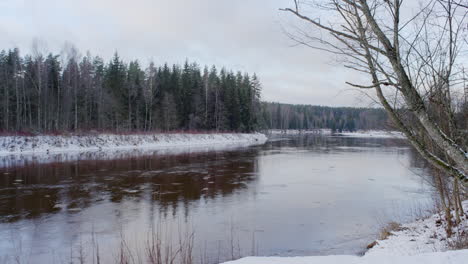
163	244
387	230
460	241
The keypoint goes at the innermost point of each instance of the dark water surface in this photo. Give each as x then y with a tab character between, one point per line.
307	195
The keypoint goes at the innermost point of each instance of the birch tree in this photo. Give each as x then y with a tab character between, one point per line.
406	58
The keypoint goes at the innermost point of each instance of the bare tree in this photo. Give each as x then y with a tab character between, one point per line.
72	77
148	94
169	112
408	59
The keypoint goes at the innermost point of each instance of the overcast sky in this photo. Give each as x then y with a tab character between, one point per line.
244	35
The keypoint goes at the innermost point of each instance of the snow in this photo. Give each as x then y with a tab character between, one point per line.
373	134
449	257
298	132
359	133
16	150
38	144
421	236
421	242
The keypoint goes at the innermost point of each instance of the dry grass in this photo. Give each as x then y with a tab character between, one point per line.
166	244
387	230
460	241
162	245
162	249
163	241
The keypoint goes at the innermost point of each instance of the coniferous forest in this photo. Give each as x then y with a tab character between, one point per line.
75	93
338	119
70	92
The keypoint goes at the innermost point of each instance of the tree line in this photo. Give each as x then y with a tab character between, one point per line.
69	92
304	117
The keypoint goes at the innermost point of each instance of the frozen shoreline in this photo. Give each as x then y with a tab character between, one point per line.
423	241
449	257
49	144
421	236
16	150
320	131
357	134
373	134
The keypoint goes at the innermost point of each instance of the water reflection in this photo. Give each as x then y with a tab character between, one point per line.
169	180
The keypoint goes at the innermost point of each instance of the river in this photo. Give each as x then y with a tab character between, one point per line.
295	195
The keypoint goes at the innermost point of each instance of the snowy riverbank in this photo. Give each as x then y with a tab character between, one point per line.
49	144
359	133
373	134
449	257
15	150
421	242
421	236
322	131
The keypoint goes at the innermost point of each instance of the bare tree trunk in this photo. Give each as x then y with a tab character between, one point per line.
39	99
7	105
455	201
76	107
383	59
413	99
17	103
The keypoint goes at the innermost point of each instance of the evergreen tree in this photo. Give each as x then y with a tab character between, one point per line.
286	116
56	93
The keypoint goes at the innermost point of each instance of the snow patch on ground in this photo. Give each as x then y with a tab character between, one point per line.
15	150
449	257
421	236
373	134
359	133
44	144
298	132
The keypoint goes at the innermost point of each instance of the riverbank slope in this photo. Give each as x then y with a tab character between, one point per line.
98	142
449	257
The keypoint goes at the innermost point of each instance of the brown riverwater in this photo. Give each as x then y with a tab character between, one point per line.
298	195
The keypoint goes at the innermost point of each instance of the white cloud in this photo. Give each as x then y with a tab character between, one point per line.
241	35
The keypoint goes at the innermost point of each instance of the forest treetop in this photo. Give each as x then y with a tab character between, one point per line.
53	93
46	93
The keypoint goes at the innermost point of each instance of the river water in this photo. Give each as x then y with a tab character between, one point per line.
295	195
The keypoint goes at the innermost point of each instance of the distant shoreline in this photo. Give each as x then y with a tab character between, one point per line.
324	131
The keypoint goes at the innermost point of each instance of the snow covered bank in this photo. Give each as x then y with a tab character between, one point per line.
15	150
421	236
449	257
48	144
359	133
373	134
323	131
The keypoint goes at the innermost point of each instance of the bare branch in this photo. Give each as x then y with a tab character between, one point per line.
371	86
